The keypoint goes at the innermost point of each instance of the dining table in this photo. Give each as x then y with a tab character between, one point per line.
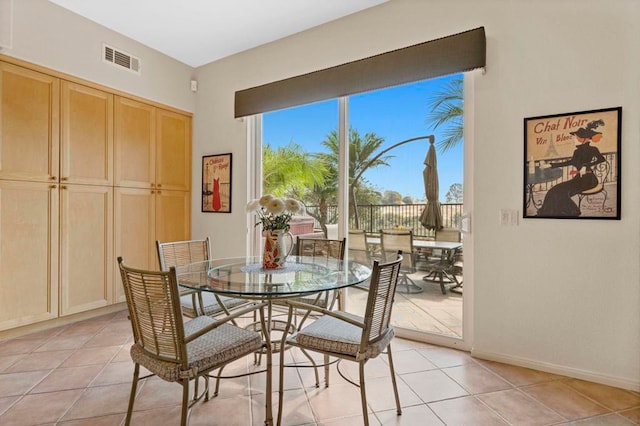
245	278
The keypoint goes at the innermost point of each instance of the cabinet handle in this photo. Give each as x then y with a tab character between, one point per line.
64	178
63	186
153	185
159	185
153	192
52	178
158	192
53	186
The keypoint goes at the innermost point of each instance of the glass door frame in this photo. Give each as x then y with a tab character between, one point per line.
254	190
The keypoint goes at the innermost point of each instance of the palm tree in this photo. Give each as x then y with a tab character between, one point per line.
446	108
363	155
289	169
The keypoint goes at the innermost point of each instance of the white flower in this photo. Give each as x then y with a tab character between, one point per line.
275	206
253	205
292	205
265	199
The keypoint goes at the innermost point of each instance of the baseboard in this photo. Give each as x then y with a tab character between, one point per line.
576	373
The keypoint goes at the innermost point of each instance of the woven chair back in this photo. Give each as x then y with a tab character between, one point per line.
180	253
154	310
382	290
321	248
394	240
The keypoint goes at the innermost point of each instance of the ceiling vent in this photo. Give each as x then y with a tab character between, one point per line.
118	57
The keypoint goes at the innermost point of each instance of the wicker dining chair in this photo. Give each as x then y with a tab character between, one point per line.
347	336
320	248
194	303
174	350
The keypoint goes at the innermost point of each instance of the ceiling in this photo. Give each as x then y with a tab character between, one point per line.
197	32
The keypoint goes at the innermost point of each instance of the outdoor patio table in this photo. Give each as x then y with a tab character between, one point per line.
244	277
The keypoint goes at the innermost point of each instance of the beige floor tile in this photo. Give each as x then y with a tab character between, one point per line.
466	411
19	383
446	357
167	415
433	385
564	400
380	394
349	421
62	342
411	416
222	412
112	420
107	338
123	354
115	372
258	381
475	378
410	361
336	401
20	346
519	409
613	398
156	392
632	415
375	368
39	408
100	401
7	402
85	328
7	361
39	361
90	356
68	378
519	376
295	409
606	420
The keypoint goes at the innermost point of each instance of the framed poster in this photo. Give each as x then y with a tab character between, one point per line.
216	183
572	165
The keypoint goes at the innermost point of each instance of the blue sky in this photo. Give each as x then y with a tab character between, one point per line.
396	114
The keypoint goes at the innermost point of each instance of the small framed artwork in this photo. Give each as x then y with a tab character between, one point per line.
572	165
216	183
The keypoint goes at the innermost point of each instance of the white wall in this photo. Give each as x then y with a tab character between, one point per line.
558	295
51	36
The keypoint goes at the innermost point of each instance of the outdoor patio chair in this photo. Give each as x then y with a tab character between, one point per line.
443	269
350	337
194	303
174	350
394	240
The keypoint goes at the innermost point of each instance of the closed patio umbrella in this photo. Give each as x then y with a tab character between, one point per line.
431	217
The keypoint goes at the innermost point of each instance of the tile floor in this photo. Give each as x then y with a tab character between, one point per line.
80	374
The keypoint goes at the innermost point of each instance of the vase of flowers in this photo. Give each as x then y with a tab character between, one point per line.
274	214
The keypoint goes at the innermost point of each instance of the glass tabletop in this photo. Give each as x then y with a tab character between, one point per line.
245	277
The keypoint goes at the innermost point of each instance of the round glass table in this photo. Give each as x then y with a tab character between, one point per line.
245	278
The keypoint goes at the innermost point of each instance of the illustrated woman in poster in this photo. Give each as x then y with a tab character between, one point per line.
216	189
558	200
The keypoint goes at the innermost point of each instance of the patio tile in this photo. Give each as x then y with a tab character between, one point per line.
39	361
100	401
519	376
20	383
112	420
416	415
476	379
443	357
68	378
88	356
39	408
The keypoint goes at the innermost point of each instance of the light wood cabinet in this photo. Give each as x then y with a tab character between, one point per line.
86	250
85	175
28	253
86	143
29	124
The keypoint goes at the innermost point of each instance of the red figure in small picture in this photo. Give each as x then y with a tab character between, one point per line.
216	194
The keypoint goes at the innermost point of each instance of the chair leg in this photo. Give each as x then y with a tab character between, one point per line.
326	370
393	380
132	397
281	383
363	395
185	402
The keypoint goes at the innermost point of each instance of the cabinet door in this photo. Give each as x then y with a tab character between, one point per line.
28	253
173	217
86	149
173	151
135	141
86	247
134	232
29	120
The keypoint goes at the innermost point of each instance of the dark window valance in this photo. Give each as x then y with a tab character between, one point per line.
456	53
